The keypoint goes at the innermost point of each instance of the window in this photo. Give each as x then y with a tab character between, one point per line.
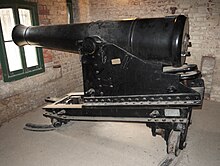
18	62
69	6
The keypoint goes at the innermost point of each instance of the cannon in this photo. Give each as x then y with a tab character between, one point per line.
133	71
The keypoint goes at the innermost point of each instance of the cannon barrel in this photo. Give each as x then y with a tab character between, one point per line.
158	39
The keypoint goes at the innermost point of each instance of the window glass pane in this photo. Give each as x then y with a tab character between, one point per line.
7	21
30	51
68	13
31	56
13	55
25	16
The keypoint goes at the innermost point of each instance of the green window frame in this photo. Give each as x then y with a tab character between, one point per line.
25	70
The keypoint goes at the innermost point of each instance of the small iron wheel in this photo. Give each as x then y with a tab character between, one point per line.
56	122
173	143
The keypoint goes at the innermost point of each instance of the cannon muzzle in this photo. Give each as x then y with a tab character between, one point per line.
18	35
54	37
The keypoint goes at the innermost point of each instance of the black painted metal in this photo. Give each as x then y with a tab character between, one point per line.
157	39
131	71
132	76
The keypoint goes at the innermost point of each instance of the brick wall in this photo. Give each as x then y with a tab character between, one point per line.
62	75
204	17
81	10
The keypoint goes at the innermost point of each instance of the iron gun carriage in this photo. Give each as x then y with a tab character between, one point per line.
133	71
